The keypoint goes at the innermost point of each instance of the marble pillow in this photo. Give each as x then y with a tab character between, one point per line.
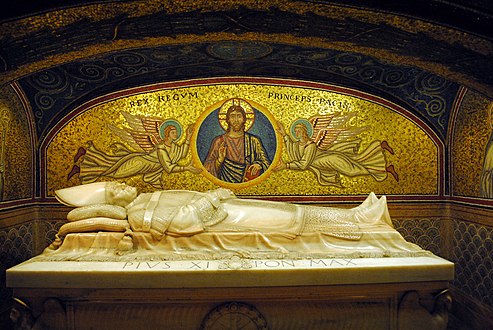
97	210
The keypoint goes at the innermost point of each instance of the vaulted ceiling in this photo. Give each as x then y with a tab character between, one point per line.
418	55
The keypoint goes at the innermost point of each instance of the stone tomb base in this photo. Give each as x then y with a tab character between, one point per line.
364	293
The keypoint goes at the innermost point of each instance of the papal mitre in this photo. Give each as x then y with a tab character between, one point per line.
82	195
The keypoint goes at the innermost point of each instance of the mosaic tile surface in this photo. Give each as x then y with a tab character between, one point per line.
53	89
473	257
423	232
48	230
102	134
16	246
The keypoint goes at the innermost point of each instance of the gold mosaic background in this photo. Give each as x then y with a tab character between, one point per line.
469	142
415	157
18	150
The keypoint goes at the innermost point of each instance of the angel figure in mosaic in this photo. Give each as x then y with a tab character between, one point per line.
326	146
149	149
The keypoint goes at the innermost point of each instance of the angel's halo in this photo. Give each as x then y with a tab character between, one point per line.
304	122
170	122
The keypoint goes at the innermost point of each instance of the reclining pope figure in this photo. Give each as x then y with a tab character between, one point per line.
114	206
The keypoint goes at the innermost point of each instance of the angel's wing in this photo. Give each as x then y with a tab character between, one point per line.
142	133
331	129
319	124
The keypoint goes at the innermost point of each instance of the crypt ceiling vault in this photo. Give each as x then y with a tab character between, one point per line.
61	58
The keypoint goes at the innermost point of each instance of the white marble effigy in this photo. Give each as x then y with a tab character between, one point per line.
214	263
377	241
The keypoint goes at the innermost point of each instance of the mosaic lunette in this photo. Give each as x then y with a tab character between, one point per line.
418	170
